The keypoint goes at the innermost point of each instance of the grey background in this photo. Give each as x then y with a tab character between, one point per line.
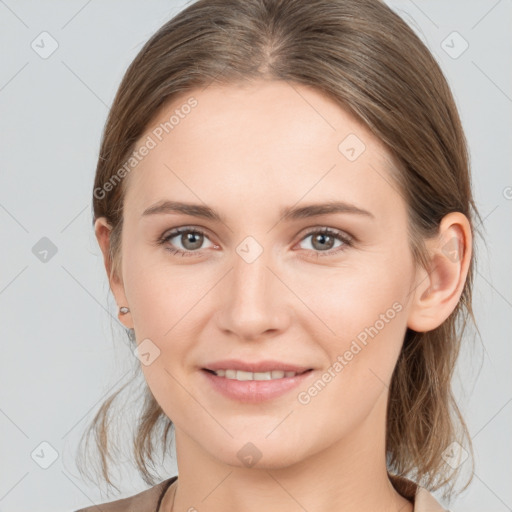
62	348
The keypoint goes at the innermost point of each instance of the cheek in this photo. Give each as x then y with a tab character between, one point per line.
361	358
365	311
350	299
160	292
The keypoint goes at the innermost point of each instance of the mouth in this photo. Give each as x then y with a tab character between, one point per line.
254	387
242	375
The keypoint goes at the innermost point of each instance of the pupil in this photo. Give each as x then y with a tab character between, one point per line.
190	238
323	236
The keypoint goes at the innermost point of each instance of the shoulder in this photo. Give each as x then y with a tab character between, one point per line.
149	500
145	501
423	500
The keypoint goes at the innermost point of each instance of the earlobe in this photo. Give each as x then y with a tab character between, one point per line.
438	291
102	231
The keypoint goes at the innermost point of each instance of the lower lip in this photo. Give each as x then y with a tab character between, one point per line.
255	391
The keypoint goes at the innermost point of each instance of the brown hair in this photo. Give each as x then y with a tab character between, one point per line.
363	55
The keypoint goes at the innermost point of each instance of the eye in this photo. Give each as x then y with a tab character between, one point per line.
323	241
191	239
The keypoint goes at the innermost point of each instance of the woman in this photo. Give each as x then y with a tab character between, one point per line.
284	206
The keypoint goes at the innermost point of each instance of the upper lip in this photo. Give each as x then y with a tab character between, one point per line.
260	366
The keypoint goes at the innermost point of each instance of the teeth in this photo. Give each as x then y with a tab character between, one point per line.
241	375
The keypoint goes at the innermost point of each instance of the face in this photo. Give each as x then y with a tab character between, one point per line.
255	285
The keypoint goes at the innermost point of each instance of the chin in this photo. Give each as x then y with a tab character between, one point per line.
258	454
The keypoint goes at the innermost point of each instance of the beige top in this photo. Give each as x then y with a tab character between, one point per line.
150	499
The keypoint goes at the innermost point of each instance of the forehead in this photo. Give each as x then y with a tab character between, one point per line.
260	143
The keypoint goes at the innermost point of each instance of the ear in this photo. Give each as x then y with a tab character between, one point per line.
102	229
438	290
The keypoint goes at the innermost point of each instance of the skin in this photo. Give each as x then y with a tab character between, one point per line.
246	151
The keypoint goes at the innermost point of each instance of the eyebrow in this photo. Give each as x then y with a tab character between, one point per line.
290	212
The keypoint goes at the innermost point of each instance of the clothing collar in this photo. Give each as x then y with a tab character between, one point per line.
423	500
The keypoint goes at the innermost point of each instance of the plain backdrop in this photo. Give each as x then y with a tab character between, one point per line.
62	347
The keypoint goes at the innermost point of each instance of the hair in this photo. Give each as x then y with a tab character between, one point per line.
366	57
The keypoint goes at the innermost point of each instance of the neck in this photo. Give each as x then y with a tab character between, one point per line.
350	476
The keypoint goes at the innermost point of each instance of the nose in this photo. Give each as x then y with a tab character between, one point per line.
252	301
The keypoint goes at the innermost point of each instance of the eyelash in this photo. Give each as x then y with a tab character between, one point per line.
347	241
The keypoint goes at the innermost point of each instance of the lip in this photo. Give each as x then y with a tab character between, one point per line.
254	391
260	366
